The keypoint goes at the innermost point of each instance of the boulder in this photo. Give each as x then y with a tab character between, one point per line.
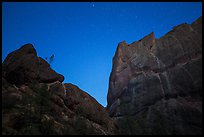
24	66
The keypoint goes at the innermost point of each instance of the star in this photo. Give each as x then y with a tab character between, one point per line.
93	5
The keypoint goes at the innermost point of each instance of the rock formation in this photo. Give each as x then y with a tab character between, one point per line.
36	102
24	66
155	86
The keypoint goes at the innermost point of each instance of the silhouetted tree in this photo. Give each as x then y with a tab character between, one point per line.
51	58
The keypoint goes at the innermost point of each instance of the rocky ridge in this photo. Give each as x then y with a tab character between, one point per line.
155	86
36	102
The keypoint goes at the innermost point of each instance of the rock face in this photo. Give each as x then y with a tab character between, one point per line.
36	102
155	86
24	66
52	109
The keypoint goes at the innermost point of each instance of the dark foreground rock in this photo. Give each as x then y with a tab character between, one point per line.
24	66
45	109
155	86
36	102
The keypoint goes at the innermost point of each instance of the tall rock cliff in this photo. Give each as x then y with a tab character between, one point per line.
36	102
155	86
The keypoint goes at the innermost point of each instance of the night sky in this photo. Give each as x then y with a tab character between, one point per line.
84	36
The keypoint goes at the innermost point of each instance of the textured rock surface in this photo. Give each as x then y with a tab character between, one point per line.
24	66
45	109
36	102
155	86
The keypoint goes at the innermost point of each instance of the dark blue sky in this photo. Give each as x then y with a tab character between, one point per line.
84	36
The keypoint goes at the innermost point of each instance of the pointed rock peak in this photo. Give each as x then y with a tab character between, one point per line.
198	21
180	26
28	49
123	43
23	50
197	25
151	34
145	41
121	46
148	41
27	45
149	37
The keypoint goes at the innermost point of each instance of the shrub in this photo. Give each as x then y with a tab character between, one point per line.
159	125
81	126
82	111
47	127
